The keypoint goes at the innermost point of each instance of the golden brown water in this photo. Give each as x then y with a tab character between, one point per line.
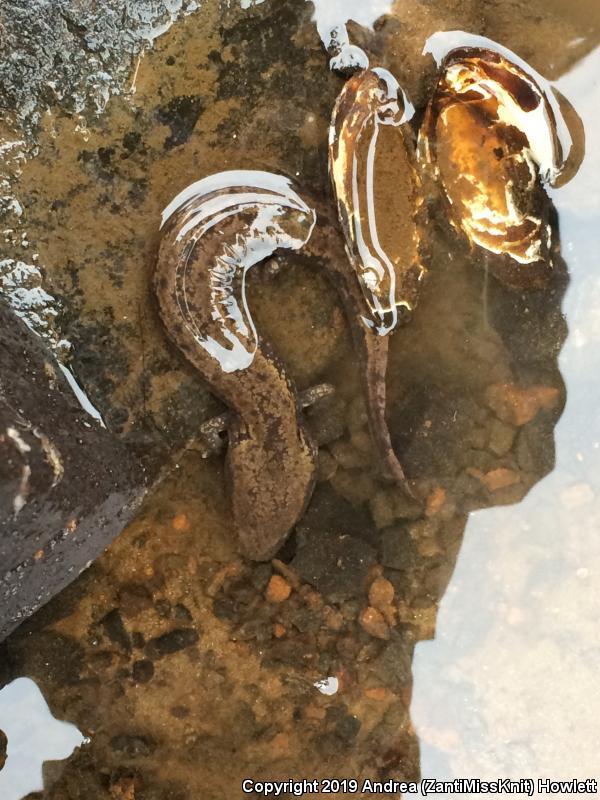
463	635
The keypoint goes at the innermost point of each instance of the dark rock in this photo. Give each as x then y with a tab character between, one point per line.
326	420
430	428
115	630
226	608
182	613
172	642
163	608
133	599
336	564
181	115
347	728
330	512
67	487
55	659
398	550
133	745
143	671
393	666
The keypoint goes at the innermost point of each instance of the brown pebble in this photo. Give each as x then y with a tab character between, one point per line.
278	589
381	594
388	505
279	630
378	693
373	623
502	437
500	478
180	523
334	620
518	406
288	573
435	501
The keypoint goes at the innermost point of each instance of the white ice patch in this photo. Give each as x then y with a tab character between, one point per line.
34	736
328	686
21	284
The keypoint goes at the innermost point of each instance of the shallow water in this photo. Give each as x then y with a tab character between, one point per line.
177	660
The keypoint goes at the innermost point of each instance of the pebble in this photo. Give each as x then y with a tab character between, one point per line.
499	478
501	439
180	523
373	622
334	619
435	501
517	406
355	486
389	505
346	455
326	466
278	589
398	549
381	593
381	597
378	693
279	630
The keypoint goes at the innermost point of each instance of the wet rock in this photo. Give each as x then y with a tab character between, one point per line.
181	115
398	549
326	466
325	420
381	597
430	427
142	671
424	534
328	511
134	598
347	456
393	666
133	745
347	728
172	642
517	406
373	622
115	630
67	487
336	564
83	55
355	486
55	657
500	478
182	613
501	439
535	446
435	501
389	505
278	590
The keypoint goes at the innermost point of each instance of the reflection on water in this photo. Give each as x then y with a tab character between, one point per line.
176	653
33	737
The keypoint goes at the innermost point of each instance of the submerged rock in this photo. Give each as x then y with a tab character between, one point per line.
67	488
